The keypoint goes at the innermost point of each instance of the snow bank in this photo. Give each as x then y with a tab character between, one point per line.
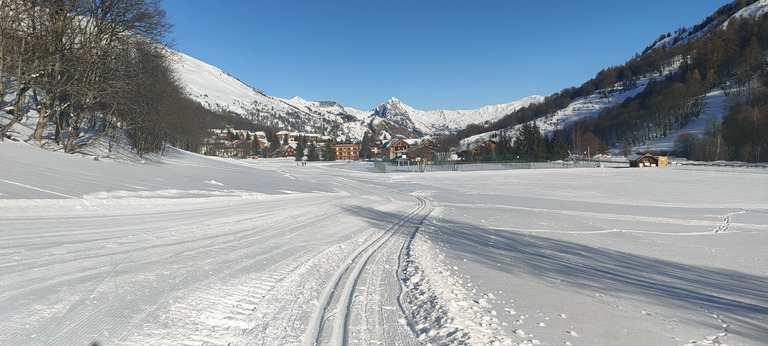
442	311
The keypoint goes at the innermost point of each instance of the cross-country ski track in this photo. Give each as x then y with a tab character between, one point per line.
190	250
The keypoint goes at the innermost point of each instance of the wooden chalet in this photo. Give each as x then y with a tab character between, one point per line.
398	147
485	149
647	160
286	151
395	148
423	149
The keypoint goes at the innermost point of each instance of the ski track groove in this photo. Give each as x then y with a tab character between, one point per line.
340	294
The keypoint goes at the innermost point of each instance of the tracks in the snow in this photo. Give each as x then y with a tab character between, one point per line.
331	321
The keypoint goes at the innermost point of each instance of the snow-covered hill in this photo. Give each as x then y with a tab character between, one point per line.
219	91
683	35
591	105
441	120
587	106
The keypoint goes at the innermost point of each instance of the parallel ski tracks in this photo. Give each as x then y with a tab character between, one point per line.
330	322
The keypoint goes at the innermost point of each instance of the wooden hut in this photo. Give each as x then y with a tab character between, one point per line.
647	160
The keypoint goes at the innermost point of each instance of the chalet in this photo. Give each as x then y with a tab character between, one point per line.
347	151
312	137
424	149
286	151
394	148
647	160
483	148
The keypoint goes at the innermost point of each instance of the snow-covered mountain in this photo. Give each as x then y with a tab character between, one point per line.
441	120
590	105
219	91
683	35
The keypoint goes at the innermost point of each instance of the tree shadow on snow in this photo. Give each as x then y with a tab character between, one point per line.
742	297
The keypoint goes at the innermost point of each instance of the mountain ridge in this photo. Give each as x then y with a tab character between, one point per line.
219	91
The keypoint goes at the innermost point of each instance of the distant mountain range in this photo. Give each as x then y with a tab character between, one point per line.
219	91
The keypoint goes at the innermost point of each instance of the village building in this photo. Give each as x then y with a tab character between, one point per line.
647	160
287	150
394	148
399	148
481	148
286	136
375	149
260	135
347	151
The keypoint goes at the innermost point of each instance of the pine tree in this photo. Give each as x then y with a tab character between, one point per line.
557	150
312	153
503	147
273	140
529	143
329	154
365	147
299	152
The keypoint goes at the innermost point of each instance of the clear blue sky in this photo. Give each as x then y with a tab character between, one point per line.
429	54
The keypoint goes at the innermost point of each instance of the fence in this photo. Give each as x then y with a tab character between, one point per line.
448	165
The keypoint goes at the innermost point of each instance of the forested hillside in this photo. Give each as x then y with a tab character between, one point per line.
731	59
721	53
91	70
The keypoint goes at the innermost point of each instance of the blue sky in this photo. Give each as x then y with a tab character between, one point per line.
429	54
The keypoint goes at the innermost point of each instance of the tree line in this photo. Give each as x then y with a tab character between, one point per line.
327	152
91	69
731	57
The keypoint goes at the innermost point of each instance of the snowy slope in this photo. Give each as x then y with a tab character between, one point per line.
440	120
193	250
591	105
220	91
683	35
587	106
751	12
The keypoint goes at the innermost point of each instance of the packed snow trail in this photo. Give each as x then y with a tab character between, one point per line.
189	250
219	267
334	317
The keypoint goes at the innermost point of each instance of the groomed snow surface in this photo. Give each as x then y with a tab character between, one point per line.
189	250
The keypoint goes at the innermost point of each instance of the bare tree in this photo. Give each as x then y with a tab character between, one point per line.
74	57
445	145
16	57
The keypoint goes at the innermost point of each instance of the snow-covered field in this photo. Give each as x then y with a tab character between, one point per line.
190	250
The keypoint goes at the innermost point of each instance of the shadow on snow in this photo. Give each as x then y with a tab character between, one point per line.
741	297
